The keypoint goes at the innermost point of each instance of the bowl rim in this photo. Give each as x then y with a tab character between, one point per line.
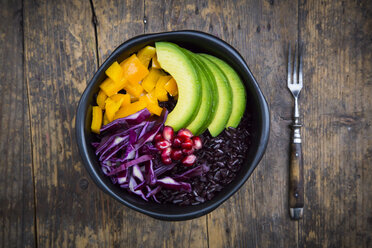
84	101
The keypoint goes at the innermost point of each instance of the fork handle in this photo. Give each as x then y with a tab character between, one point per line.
296	178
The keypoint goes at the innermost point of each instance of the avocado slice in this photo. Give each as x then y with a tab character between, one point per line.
239	97
200	123
224	106
173	60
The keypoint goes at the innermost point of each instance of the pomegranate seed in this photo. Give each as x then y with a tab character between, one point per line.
158	137
177	142
166	152
165	155
168	133
188	151
176	154
197	142
162	144
167	161
184	134
189	160
187	144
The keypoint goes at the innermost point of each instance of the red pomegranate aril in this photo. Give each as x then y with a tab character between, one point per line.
168	133
176	154
188	151
187	144
167	161
189	160
184	134
162	144
197	142
177	142
158	137
166	152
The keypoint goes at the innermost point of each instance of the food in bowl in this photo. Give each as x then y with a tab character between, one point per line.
170	124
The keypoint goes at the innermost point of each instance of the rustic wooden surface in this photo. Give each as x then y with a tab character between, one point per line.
49	50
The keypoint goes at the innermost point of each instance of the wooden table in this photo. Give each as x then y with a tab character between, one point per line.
49	50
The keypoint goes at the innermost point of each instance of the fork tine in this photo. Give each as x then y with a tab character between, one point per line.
300	71
295	66
289	81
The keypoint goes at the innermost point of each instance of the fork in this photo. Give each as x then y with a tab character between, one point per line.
296	177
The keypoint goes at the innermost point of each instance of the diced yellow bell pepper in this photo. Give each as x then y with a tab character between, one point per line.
105	119
134	89
130	109
112	107
134	70
115	72
162	81
146	54
152	104
123	62
118	97
171	87
101	98
110	87
149	82
155	63
160	93
96	119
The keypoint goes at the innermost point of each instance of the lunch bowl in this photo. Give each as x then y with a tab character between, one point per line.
256	106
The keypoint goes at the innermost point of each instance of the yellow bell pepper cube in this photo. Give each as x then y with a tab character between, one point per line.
110	87
155	63
160	93
101	98
152	104
96	119
118	97
134	89
146	54
115	72
112	107
150	80
105	119
134	70
162	81
171	87
130	109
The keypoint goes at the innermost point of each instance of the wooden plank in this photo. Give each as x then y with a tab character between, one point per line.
117	22
60	59
337	115
16	182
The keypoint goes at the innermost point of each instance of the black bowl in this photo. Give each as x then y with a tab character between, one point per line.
256	104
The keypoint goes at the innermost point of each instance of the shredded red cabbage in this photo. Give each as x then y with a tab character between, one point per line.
125	153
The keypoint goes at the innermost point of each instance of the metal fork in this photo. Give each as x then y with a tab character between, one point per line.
296	177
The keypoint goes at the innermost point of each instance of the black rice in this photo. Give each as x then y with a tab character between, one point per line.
223	154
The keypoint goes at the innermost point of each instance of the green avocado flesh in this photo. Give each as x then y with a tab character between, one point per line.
224	105
238	91
200	123
173	60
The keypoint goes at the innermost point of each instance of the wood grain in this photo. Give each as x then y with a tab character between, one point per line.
16	185
59	60
337	104
50	50
296	178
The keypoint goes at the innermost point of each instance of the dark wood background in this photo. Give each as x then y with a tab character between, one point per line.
49	50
